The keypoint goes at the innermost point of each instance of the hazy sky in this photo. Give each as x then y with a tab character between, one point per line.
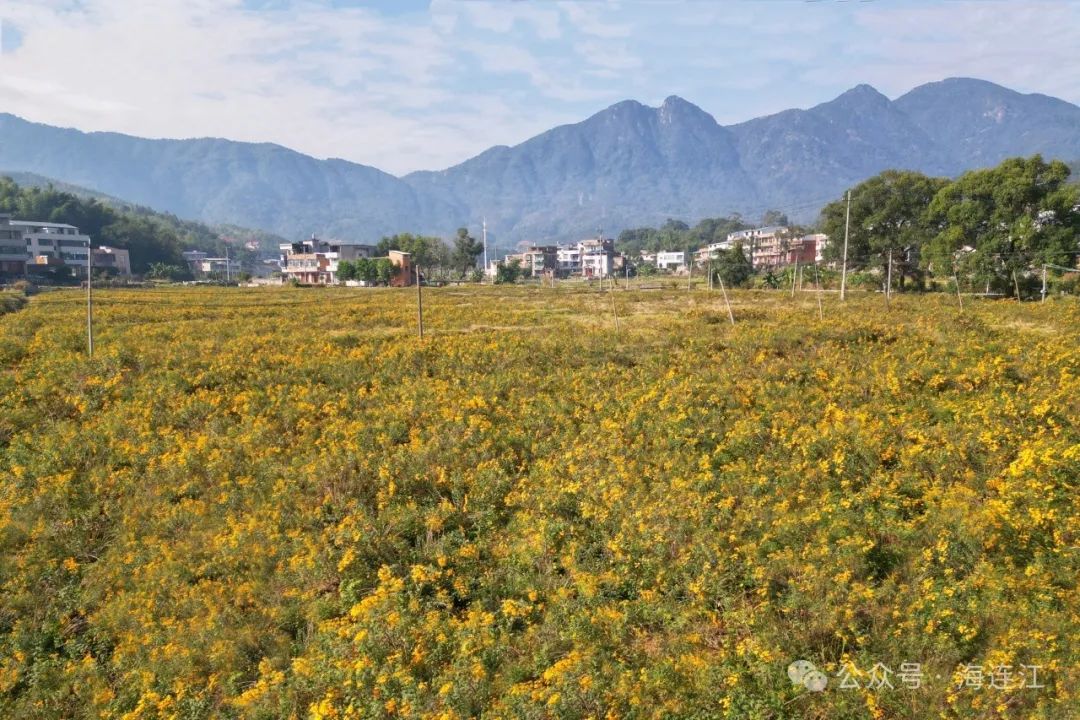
419	84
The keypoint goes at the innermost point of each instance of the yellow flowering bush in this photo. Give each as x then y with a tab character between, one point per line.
282	504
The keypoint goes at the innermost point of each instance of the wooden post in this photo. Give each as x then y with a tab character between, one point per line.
614	312
843	271
888	281
730	315
419	304
1016	284
794	275
1044	285
89	301
817	281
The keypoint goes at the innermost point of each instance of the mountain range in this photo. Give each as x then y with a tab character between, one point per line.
628	165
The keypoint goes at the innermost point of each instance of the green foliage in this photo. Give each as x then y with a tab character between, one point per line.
426	251
509	272
987	226
368	270
1016	216
732	266
164	271
888	214
677	235
149	237
466	250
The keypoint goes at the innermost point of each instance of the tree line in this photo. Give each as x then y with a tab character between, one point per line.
993	228
151	238
989	227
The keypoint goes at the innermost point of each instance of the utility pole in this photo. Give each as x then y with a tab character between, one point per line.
485	245
419	304
847	226
228	268
794	276
1043	285
89	301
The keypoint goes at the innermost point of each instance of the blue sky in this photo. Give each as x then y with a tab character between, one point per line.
423	84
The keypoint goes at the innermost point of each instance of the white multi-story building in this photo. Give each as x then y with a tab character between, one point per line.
597	257
44	244
671	260
54	243
569	259
710	251
219	266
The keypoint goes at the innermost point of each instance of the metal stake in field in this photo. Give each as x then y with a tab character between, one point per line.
1043	285
843	271
419	304
89	301
958	298
794	275
730	315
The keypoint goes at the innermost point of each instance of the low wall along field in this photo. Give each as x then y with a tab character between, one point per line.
283	504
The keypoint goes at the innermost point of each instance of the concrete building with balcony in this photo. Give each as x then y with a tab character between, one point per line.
671	260
12	248
315	262
59	243
219	266
540	259
568	260
114	261
597	257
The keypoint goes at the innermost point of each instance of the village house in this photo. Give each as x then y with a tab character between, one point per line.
670	260
315	261
33	243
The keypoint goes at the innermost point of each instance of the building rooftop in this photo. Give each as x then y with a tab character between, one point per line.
40	223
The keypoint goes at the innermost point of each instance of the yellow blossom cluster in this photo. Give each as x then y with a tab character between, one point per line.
283	504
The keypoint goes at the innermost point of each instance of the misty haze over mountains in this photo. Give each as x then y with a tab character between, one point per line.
626	166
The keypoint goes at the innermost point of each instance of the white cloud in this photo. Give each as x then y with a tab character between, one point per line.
427	90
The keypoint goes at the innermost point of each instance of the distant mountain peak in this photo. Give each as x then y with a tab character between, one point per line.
862	93
675	108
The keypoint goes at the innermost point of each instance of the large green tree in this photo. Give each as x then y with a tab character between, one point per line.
426	251
888	216
466	250
991	225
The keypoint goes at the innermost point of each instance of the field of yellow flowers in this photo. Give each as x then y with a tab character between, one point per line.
283	504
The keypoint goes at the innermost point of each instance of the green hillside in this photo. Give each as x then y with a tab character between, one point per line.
150	236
